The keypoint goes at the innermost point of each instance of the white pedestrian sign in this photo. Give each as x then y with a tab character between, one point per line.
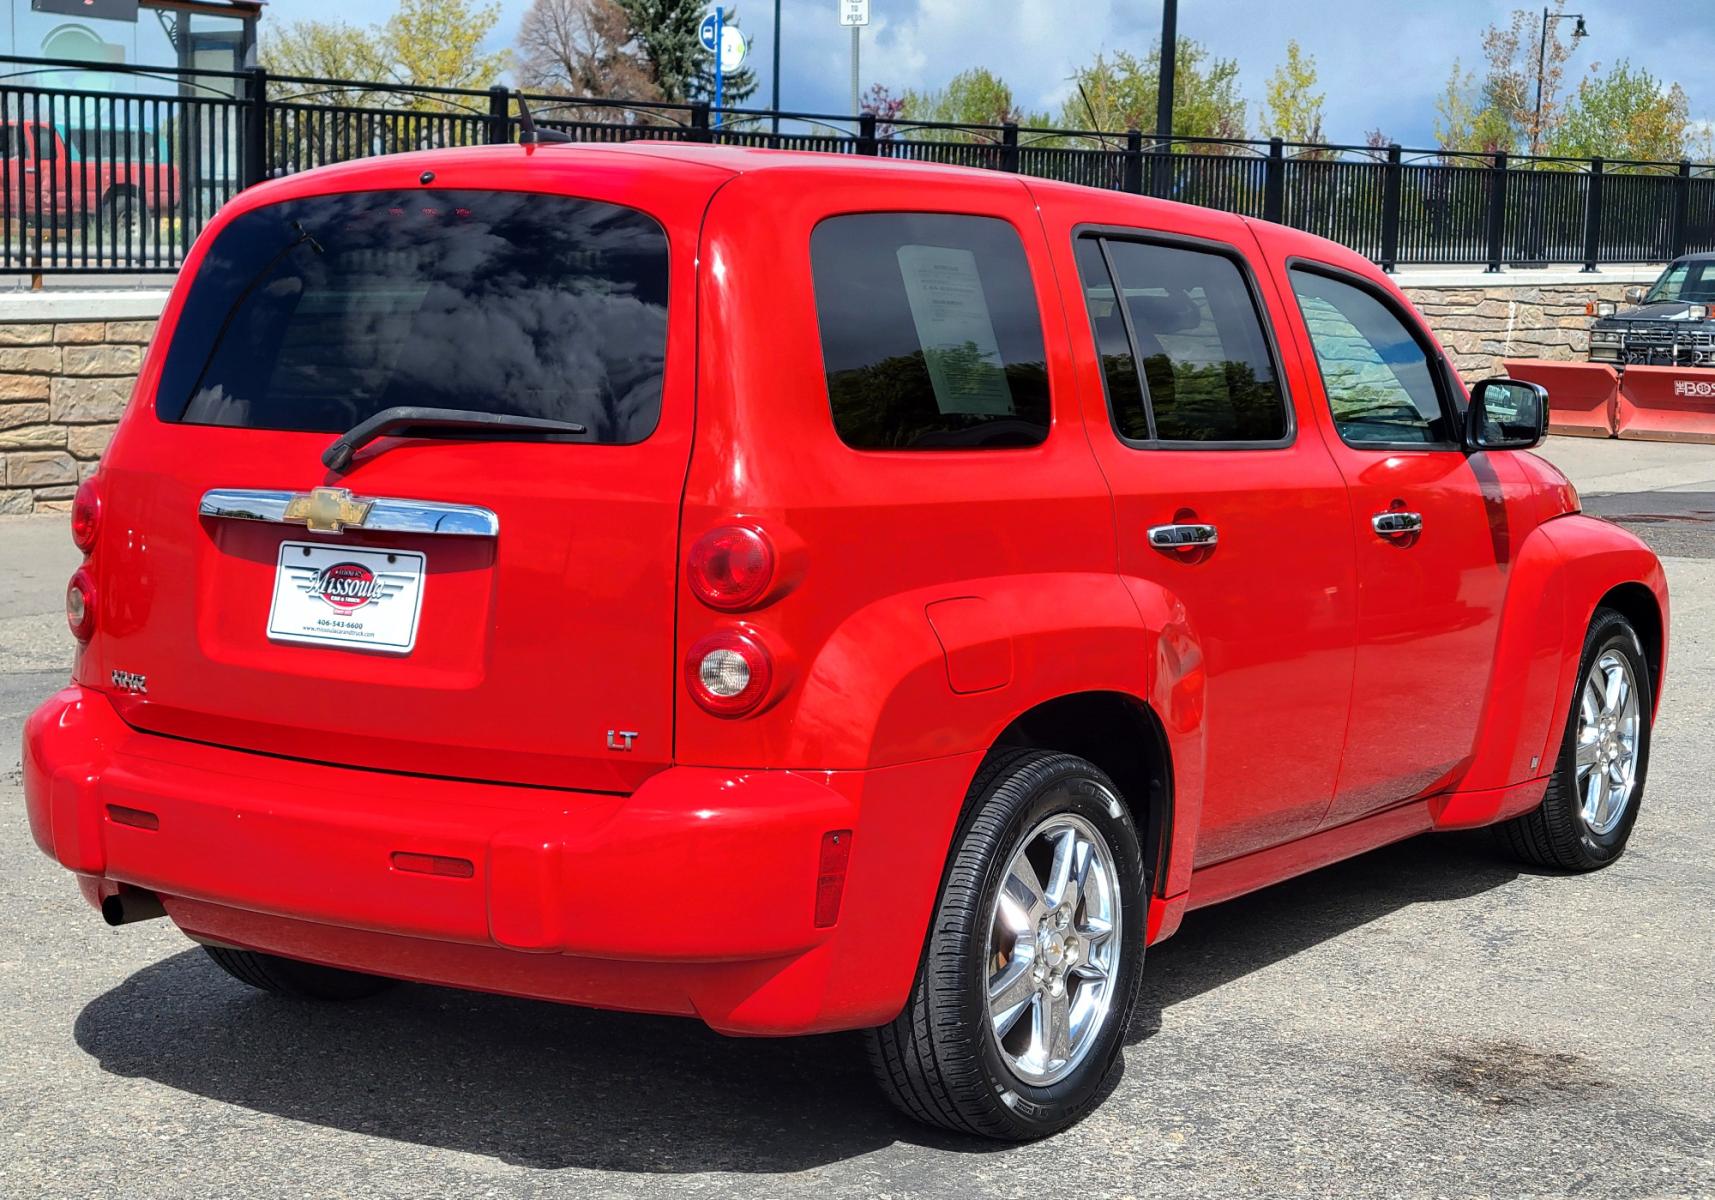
733	50
854	12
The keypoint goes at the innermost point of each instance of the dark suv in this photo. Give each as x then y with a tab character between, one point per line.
1667	324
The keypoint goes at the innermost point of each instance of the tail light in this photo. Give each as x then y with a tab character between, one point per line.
86	514
729	673
80	605
731	568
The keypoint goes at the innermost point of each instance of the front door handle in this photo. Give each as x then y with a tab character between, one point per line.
1394	524
1181	537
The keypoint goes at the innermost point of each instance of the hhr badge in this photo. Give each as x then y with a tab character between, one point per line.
131	681
327	510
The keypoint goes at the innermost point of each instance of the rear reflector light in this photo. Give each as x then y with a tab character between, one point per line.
732	567
433	864
831	876
137	818
728	673
86	514
80	605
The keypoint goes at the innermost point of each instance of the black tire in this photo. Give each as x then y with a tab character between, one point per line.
290	977
1554	833
939	1061
124	219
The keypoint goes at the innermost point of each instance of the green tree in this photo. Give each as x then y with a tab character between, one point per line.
1519	56
1119	93
974	97
1294	106
1626	114
438	43
423	43
1465	120
666	32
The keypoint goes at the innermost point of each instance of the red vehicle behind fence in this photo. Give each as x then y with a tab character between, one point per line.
807	593
110	184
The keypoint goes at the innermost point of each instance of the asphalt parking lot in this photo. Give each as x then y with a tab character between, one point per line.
1428	1020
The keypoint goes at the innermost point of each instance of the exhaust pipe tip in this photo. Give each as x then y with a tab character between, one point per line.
130	904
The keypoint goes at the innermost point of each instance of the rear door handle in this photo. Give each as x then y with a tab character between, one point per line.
1395	524
1181	537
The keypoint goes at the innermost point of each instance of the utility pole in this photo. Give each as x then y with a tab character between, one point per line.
1164	83
776	105
1578	31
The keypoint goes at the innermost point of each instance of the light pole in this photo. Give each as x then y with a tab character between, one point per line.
1164	80
1578	31
776	66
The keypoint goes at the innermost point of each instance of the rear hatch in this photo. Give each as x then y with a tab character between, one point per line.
493	604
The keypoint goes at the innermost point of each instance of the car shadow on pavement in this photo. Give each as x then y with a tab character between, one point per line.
547	1086
1224	942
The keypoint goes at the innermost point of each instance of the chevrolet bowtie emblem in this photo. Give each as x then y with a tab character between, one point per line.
328	510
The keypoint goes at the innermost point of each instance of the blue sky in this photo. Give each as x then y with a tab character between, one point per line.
1382	62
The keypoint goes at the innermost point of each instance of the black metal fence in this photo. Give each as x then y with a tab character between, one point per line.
120	175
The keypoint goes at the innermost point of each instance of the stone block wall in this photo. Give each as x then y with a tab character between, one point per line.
63	385
1481	324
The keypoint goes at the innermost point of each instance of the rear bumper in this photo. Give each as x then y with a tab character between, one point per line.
695	894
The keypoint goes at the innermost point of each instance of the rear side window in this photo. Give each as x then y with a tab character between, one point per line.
1379	377
931	338
1202	369
316	314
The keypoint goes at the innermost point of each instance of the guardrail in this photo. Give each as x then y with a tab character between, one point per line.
119	174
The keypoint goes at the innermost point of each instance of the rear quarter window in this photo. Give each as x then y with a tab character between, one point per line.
931	338
316	314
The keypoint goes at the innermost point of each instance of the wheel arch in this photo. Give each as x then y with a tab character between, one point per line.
1638	605
1122	735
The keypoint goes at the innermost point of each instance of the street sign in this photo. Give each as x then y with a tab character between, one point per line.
733	50
707	32
854	12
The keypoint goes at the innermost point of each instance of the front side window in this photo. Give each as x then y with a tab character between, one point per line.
1198	367
931	338
316	314
1379	378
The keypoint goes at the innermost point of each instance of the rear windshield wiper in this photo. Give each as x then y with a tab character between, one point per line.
338	454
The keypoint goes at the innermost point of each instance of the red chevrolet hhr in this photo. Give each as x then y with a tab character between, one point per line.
808	593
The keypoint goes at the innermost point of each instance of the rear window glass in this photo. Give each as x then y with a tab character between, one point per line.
316	314
930	333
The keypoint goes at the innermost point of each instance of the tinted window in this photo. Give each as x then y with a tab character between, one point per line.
1379	378
1119	368
1207	371
930	334
316	314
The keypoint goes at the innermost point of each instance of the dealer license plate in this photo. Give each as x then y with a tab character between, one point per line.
334	596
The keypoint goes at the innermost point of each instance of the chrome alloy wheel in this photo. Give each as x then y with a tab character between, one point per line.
1606	756
1054	945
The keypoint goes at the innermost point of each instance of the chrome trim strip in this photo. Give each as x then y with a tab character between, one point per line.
385	515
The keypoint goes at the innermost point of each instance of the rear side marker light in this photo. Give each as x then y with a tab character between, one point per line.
731	568
728	673
80	605
831	876
86	514
433	864
137	818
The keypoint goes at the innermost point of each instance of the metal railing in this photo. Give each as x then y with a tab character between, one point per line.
120	175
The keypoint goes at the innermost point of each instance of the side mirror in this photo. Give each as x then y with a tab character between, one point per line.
1635	295
1506	414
